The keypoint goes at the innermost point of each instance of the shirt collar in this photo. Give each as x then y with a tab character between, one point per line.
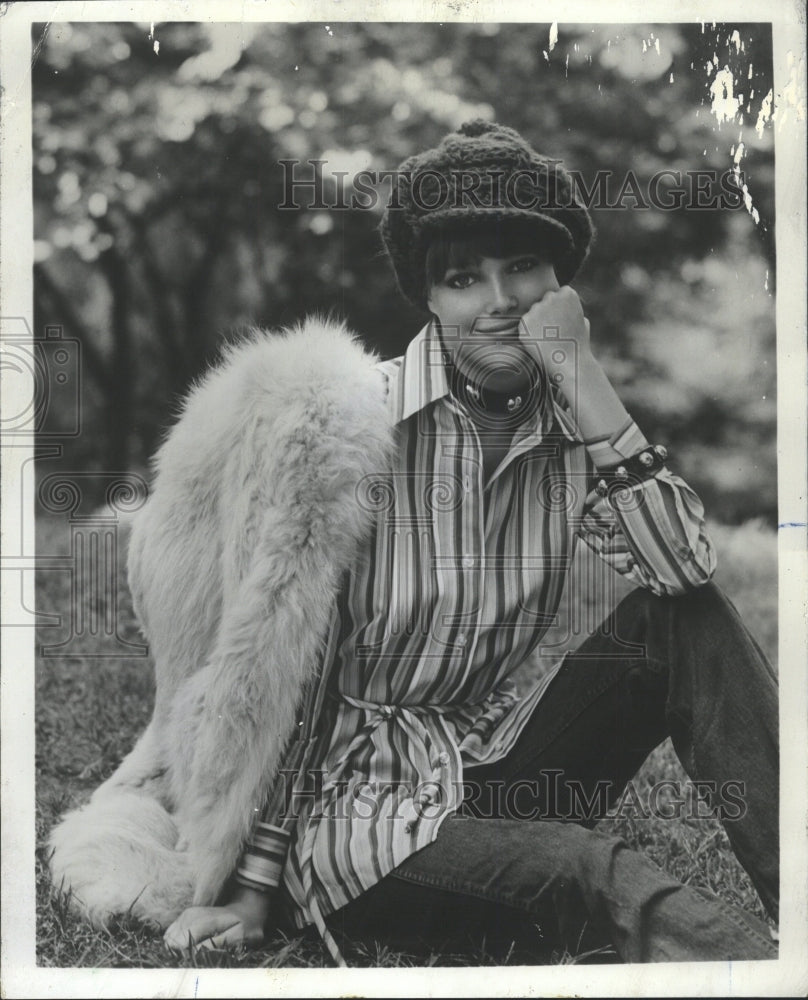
420	380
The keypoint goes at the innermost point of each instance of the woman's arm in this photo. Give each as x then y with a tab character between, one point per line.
240	916
557	333
652	531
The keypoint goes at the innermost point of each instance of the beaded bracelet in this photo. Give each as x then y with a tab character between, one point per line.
632	470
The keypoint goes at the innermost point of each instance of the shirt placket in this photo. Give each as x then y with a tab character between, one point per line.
469	560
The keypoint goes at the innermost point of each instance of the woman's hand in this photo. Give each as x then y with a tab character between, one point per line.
238	923
556	328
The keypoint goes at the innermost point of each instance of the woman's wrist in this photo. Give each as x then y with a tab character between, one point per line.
597	409
251	905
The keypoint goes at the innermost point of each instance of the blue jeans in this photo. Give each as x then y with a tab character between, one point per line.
683	667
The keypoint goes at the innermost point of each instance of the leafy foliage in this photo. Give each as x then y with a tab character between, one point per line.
158	176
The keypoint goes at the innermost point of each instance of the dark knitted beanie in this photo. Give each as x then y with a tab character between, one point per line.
483	172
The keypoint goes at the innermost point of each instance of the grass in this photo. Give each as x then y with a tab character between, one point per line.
90	710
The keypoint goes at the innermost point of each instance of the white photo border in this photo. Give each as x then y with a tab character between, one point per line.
787	976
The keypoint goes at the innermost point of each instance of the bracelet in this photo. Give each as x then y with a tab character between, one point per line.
632	470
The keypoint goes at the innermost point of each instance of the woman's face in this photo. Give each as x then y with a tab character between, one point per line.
479	307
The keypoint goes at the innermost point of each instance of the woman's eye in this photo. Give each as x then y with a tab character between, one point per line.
525	264
460	280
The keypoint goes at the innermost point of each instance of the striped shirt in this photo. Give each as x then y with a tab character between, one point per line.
454	589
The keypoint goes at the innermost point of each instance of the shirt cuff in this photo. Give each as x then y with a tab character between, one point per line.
262	863
611	449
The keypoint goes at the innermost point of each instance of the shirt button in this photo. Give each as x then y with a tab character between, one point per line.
443	757
409	814
468	561
461	639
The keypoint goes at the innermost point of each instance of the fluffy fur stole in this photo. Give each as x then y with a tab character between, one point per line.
234	565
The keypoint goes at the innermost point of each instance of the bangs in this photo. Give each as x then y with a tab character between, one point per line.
456	249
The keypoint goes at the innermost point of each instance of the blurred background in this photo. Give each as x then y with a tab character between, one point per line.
157	183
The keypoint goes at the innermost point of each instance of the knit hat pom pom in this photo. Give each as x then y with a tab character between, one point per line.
477	126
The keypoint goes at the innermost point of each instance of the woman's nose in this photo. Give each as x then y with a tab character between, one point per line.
502	298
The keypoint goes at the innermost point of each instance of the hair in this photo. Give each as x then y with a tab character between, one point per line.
461	247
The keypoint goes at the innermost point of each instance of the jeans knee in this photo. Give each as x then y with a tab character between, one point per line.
708	597
592	858
706	608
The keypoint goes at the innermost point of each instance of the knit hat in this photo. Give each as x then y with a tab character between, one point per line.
481	172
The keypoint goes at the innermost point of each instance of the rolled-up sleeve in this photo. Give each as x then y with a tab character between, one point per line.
264	856
263	859
652	532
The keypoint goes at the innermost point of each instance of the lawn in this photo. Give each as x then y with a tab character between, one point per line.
90	709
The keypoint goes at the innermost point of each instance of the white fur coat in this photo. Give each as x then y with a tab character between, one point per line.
234	565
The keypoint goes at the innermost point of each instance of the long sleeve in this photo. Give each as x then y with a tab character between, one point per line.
264	856
262	861
652	533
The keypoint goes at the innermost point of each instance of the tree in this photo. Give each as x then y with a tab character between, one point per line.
158	176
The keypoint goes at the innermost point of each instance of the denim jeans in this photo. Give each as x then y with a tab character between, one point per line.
683	667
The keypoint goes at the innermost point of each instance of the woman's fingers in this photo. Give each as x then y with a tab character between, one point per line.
199	925
233	936
560	311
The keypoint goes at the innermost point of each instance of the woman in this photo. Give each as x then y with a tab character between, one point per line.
418	782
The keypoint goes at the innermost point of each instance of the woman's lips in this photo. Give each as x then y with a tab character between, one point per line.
497	326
